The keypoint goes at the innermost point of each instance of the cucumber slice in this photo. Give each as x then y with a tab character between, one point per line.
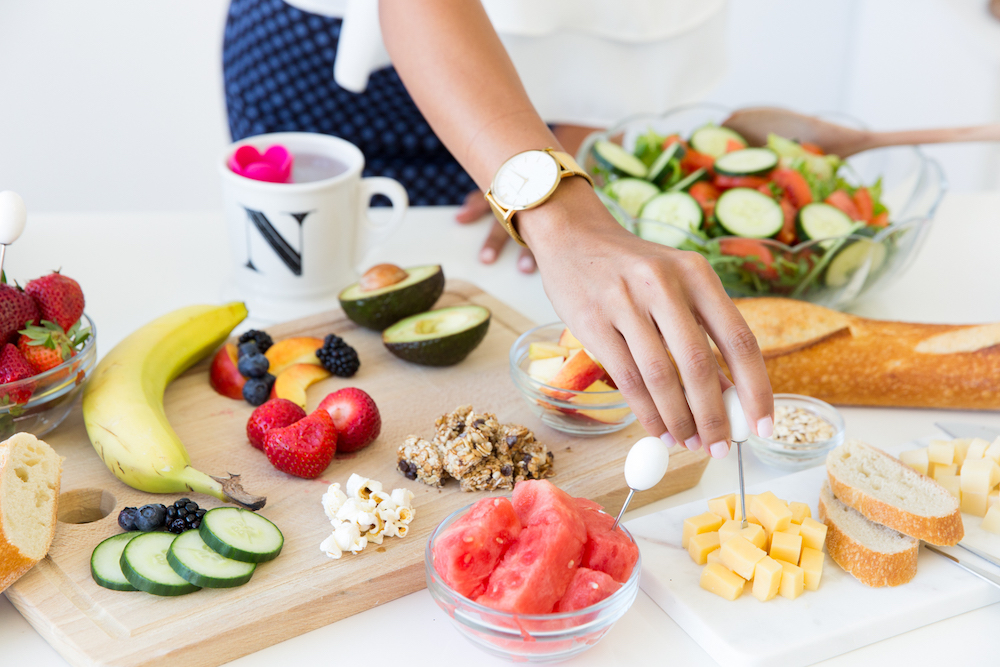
747	162
749	213
852	258
688	181
198	563
822	221
241	535
144	564
659	168
105	562
631	193
713	140
613	156
677	209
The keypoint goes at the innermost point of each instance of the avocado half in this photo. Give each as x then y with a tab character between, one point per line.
380	308
440	337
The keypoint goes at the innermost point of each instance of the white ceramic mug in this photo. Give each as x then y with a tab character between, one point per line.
296	245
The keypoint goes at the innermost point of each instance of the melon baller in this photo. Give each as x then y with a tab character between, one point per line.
13	215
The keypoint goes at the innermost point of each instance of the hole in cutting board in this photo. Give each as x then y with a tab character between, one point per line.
85	505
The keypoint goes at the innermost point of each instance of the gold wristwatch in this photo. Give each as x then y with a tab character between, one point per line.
527	180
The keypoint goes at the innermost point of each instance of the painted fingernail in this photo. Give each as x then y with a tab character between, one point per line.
487	255
765	427
526	264
693	443
668	439
719	449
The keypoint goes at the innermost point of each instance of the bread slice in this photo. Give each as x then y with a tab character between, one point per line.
873	554
29	491
888	492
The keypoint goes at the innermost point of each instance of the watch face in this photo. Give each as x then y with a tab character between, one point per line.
525	179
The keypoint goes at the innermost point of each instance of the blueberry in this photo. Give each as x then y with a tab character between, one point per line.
150	517
248	348
257	390
177	526
126	518
253	365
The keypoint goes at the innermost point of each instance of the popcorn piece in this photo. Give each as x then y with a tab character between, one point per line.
362	487
402	497
333	499
365	514
330	548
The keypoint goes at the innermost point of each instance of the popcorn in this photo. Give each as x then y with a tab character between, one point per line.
364	514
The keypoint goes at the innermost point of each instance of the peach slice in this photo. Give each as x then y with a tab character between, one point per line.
292	382
567	339
546	350
544	370
224	376
299	350
591	397
578	373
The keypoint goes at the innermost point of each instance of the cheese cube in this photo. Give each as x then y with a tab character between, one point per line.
977	449
740	556
993	451
755	535
793	529
951	482
942	470
785	546
916	459
799	511
772	512
811	563
813	534
993	497
714	557
722	582
930	469
729	530
766	579
941	451
980	476
992	520
695	525
723	506
961	449
738	513
700	545
792	580
974	503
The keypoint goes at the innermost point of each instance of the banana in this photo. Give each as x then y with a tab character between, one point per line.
123	403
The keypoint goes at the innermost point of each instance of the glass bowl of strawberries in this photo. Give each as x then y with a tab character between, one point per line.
566	387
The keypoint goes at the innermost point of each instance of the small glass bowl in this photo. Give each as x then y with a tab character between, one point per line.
38	404
574	412
800	456
528	637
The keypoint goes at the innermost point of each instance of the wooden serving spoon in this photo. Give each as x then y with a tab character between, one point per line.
757	122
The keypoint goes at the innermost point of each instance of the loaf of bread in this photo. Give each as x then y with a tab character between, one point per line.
849	360
29	492
875	555
886	491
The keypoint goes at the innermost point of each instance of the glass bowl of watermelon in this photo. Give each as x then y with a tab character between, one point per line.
566	387
779	220
508	573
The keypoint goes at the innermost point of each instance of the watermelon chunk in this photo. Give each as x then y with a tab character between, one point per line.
468	550
612	553
539	502
586	588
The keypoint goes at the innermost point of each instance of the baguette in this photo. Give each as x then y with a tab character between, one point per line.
29	492
873	554
886	491
849	360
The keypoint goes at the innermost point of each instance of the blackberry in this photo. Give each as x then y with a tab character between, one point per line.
257	390
150	517
253	365
262	339
191	507
127	517
182	502
177	526
201	512
171	513
338	357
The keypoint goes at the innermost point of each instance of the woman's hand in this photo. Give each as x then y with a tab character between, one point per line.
630	302
473	209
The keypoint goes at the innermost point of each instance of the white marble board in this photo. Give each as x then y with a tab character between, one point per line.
841	616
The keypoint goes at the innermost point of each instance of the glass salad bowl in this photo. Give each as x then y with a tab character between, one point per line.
832	272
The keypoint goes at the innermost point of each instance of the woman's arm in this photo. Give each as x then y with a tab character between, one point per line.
626	299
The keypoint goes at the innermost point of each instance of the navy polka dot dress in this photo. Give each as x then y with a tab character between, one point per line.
278	70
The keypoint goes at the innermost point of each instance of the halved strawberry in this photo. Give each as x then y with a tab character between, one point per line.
356	417
305	448
275	413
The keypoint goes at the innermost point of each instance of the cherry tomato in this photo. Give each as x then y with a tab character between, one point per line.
863	202
787	235
795	186
740	247
693	161
673	139
726	182
840	199
811	148
705	194
880	220
733	145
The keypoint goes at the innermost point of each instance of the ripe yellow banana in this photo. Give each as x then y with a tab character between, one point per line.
123	403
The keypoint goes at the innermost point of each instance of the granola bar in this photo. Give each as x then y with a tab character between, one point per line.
421	460
466	439
531	459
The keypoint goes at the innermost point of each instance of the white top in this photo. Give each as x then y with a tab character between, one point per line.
586	62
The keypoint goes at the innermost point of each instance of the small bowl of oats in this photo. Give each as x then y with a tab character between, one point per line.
805	429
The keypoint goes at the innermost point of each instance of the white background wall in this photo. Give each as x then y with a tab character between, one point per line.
117	104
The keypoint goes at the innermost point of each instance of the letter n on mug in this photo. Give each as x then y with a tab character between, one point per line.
279	235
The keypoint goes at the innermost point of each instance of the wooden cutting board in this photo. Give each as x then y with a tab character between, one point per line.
302	589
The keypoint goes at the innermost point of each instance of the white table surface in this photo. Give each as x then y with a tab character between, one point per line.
134	267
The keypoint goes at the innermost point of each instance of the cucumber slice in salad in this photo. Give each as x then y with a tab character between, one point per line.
631	193
105	562
661	165
613	156
822	221
749	213
714	140
144	564
853	257
201	565
747	162
241	535
677	210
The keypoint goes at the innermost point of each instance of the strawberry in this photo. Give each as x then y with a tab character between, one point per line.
17	309
276	413
13	367
47	346
356	417
305	448
59	298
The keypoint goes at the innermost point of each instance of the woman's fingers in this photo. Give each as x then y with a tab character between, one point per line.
493	244
526	261
473	208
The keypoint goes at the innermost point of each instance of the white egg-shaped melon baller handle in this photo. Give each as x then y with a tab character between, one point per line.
645	466
13	216
739	429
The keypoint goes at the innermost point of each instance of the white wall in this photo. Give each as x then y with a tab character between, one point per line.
117	104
